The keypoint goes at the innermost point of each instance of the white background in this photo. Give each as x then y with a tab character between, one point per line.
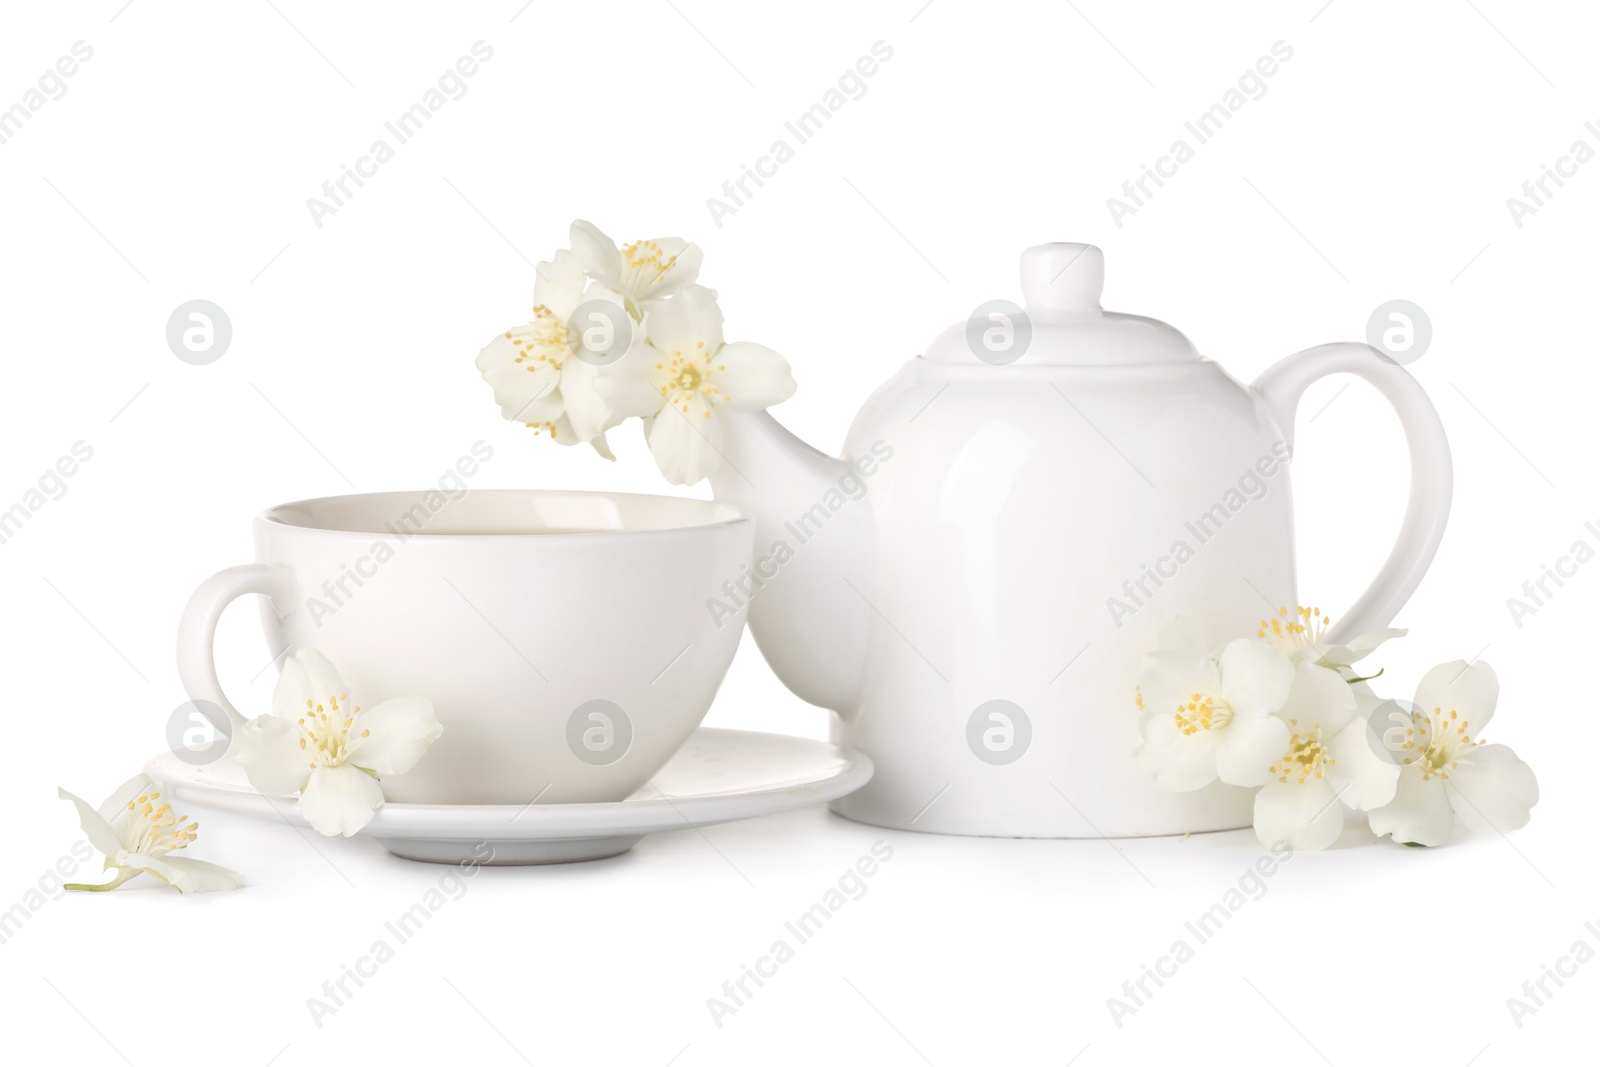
177	166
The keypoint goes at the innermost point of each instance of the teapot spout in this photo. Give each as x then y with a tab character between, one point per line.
813	540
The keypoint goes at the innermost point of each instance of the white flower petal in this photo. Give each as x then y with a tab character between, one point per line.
587	411
597	291
686	445
1471	691
1492	790
340	800
627	387
689	319
1247	747
1318	697
1307	817
115	809
1170	677
527	392
594	252
306	676
1419	814
1359	647
1255	677
95	825
559	284
182	873
392	737
268	750
685	268
1364	778
563	434
653	269
1178	761
751	377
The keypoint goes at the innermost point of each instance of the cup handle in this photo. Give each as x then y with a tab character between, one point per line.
197	630
1280	389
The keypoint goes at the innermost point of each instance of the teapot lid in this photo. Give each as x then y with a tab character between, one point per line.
1061	322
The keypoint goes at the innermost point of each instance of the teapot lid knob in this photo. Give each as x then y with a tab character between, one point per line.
1064	325
1062	279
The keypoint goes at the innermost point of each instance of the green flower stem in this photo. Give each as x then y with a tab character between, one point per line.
122	876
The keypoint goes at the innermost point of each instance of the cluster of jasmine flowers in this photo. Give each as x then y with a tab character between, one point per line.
1286	713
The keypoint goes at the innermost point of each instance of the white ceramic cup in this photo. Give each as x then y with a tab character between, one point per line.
564	638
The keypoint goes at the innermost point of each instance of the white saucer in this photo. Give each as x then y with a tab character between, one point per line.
718	776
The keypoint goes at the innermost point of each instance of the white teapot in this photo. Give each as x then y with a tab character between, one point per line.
1019	513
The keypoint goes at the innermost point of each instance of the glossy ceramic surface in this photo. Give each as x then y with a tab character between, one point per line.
718	776
972	589
521	615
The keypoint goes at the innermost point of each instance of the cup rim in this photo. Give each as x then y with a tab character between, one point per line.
725	515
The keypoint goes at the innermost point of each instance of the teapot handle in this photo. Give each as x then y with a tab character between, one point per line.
1280	389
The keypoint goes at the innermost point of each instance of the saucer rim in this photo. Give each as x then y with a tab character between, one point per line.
839	772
